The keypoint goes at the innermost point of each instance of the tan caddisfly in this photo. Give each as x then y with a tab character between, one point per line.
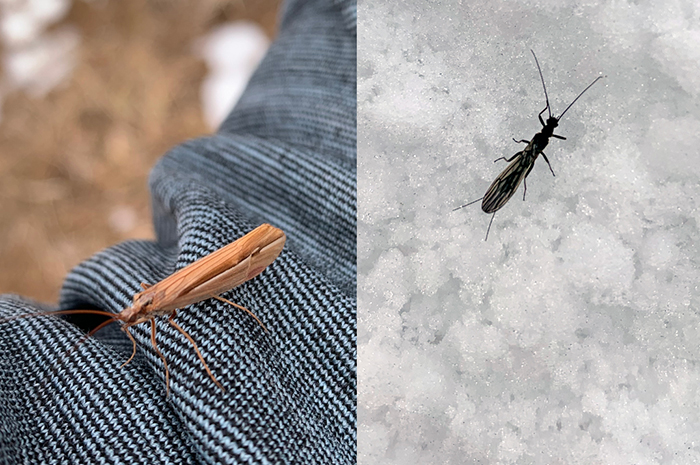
208	277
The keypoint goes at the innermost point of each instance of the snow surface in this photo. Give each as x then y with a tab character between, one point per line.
232	53
573	335
33	59
37	56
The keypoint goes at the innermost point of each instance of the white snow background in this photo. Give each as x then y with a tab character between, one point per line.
232	52
34	59
573	335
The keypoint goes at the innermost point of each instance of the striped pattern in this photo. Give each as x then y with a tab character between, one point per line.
286	156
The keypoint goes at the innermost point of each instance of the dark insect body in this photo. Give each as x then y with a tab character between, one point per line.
505	185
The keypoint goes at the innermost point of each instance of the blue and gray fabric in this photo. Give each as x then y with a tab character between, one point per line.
286	155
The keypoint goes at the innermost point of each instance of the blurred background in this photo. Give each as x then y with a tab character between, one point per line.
92	93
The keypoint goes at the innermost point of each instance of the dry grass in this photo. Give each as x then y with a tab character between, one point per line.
74	165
